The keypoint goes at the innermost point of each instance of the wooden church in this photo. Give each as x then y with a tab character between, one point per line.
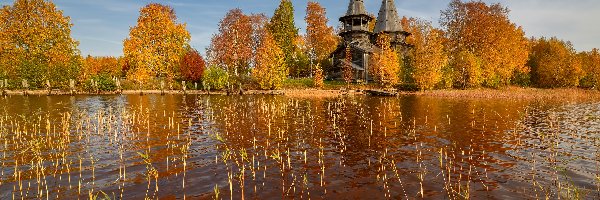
359	39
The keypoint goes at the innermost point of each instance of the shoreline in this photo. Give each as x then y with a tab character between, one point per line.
480	93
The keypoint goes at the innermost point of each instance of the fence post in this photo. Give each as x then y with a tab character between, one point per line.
48	88
162	87
25	87
118	83
72	86
3	86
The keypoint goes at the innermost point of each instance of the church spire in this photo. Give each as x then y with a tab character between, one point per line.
388	20
356	7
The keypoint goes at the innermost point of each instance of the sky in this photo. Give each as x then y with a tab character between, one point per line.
101	25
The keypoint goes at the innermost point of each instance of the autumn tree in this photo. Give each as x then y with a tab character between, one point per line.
427	57
486	32
466	70
284	31
591	67
554	64
93	66
231	47
270	70
192	66
385	64
36	44
318	76
347	71
321	39
156	44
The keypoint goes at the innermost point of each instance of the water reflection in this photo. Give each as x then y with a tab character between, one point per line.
273	147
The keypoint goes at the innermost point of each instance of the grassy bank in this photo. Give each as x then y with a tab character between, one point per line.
516	93
335	90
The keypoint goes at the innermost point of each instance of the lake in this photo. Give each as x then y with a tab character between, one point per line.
278	147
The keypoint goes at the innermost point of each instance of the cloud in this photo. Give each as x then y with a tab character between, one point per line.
574	21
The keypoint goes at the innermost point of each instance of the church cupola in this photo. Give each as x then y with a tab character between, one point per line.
388	22
356	21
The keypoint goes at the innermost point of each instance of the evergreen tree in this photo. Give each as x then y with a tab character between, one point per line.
284	31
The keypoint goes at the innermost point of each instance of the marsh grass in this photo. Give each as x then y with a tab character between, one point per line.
294	148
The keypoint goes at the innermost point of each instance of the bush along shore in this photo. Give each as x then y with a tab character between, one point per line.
293	88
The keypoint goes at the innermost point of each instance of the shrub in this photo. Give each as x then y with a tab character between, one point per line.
298	83
104	83
318	77
215	78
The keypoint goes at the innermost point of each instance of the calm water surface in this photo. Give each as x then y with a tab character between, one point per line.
275	147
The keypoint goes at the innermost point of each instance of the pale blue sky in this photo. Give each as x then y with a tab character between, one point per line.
101	25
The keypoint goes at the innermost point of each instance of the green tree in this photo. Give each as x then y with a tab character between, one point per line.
284	31
215	78
36	44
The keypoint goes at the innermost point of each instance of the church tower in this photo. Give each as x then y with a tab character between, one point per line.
359	40
388	22
356	24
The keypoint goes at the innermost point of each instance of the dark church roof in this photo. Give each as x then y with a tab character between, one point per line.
388	19
356	7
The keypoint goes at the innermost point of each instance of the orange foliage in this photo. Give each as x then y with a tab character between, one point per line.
385	64
486	31
320	38
554	64
318	77
100	65
231	48
156	44
591	67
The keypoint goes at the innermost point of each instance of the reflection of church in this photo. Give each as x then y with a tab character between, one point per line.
359	39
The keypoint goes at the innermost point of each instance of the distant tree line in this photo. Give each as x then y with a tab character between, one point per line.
476	46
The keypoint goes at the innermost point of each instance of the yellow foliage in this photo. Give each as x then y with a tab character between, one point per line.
270	70
156	44
385	64
36	43
427	57
467	70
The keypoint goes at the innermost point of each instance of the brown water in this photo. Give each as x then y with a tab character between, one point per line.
274	147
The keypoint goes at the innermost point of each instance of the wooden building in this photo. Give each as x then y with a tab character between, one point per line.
359	39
